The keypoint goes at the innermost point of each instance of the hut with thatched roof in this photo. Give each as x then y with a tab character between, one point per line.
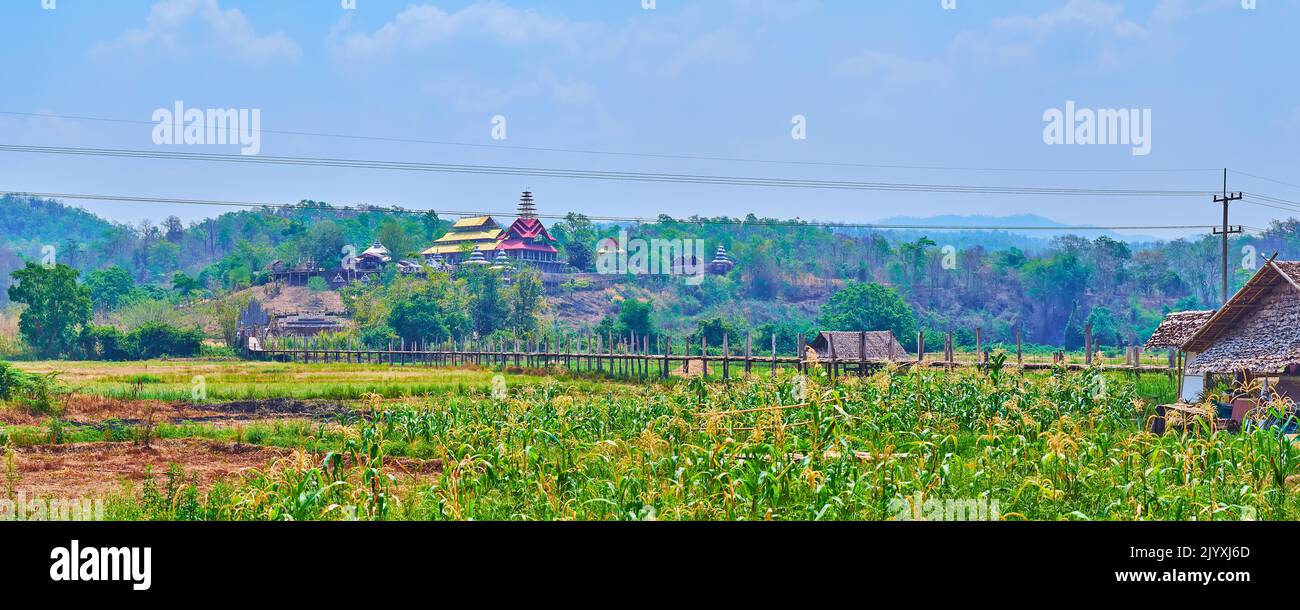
873	347
1177	328
1255	335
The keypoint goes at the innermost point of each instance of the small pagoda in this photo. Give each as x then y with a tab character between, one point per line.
721	263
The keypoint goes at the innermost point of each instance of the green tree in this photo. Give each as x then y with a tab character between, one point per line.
487	308
714	329
577	237
185	286
416	318
870	306
324	244
57	307
110	287
394	235
634	316
525	301
1105	326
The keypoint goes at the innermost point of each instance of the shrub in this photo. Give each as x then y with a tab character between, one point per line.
156	339
36	393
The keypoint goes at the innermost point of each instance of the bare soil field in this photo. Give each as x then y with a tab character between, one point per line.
98	469
93	470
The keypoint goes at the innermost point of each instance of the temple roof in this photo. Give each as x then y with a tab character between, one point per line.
476	222
527	228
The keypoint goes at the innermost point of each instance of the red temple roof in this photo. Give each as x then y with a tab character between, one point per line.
526	229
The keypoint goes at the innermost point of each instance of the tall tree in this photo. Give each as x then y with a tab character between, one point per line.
525	300
57	307
869	306
110	286
487	307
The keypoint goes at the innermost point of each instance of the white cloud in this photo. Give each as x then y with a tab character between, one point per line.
1086	13
424	25
721	46
1016	38
475	96
171	26
892	68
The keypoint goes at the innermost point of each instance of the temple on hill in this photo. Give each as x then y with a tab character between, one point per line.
525	242
477	234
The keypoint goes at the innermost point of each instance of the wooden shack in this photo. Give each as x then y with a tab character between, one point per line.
1255	335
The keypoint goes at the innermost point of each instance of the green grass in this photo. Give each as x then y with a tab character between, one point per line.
231	381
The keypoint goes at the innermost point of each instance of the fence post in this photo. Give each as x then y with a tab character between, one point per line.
862	352
773	355
704	355
834	358
800	350
1087	344
748	353
667	347
1020	355
726	357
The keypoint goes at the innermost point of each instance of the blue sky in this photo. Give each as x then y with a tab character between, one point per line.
879	82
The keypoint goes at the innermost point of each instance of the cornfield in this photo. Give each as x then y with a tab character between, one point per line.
889	446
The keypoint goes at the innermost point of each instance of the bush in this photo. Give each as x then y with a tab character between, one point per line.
156	339
378	336
317	284
36	393
104	343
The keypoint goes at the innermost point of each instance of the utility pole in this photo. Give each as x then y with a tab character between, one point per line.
1227	230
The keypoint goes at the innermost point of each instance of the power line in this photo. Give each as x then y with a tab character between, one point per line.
687	157
596	175
629	219
1266	179
1272	199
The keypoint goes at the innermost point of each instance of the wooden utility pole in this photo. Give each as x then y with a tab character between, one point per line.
1227	229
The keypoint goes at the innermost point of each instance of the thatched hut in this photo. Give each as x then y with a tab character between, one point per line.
1255	335
851	346
1177	328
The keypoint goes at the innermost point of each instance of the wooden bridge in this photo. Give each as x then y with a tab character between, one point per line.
635	357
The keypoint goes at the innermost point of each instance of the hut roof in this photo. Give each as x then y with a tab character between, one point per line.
846	345
1177	328
1257	330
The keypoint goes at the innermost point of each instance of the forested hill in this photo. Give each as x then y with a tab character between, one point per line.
785	270
29	223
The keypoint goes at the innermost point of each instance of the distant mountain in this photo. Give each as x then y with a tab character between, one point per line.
1016	220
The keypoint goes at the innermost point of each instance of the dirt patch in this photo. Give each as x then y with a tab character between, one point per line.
271	408
86	409
96	469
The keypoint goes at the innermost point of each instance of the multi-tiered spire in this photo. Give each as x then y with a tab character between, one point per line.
526	207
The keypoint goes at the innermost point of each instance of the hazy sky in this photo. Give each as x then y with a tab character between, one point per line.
879	82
